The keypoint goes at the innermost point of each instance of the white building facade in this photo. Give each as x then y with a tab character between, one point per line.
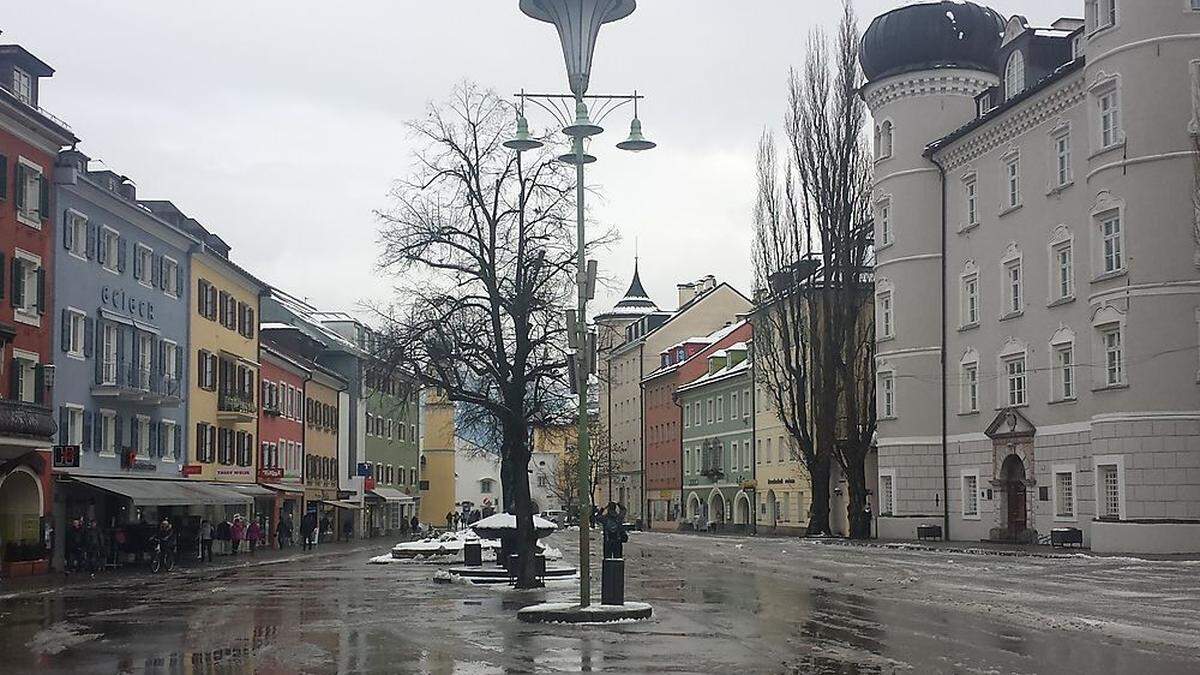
1043	179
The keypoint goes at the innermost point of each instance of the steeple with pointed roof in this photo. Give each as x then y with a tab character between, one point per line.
635	304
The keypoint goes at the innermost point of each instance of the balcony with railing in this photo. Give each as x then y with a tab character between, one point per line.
134	383
24	426
236	406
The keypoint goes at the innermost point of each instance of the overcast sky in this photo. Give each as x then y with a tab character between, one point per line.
279	124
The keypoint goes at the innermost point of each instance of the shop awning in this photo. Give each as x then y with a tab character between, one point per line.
250	490
342	504
279	487
388	494
151	492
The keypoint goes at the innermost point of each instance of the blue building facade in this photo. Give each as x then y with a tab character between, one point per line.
121	342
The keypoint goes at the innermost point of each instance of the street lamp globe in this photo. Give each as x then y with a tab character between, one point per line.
578	23
636	141
582	127
523	140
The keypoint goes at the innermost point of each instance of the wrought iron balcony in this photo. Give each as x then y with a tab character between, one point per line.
135	384
712	472
24	423
236	406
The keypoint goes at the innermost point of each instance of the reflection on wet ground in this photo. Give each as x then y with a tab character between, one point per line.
720	606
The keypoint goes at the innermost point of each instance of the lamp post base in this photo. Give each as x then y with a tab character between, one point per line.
566	612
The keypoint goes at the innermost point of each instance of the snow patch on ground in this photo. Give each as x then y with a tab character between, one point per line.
60	637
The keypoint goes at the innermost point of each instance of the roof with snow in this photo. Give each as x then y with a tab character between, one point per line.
945	34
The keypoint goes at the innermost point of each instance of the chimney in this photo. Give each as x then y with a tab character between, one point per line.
686	293
127	190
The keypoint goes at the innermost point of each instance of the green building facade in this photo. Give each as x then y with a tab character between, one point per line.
392	444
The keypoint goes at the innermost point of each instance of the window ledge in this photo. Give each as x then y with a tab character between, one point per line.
111	270
1100	30
76	255
25	219
1119	145
965	228
1057	189
1065	519
1111	387
26	317
1059	401
1061	301
973	516
1110	275
967	413
1015	405
883	418
1010	209
884	338
145	284
1011	315
968	326
77	357
885	246
883	158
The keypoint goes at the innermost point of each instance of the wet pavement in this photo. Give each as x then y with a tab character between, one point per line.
727	604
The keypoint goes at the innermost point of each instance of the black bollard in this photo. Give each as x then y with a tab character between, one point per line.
612	581
539	566
473	554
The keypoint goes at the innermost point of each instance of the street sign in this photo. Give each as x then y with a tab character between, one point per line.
66	456
364	469
270	474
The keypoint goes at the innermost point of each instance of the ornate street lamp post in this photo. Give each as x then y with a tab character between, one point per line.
578	23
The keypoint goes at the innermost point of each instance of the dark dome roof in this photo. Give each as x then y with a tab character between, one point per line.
943	34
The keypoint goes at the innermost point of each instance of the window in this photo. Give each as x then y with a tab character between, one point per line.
74	332
1014	368
885	221
110	353
109	253
170	277
970	293
1114	356
1105	13
143	261
170	364
883	140
1014	75
1064	492
970	496
1110	118
886	326
108	432
1012	182
22	86
167	444
1064	277
971	188
141	429
887	394
1012	287
1064	372
746	405
70	422
720	408
1062	159
887	493
1111	241
485	486
75	234
709	416
32	194
1108	487
145	360
28	288
970	387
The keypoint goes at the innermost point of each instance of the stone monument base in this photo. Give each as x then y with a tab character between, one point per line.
568	612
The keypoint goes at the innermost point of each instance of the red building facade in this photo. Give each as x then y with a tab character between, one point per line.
30	139
281	430
662	419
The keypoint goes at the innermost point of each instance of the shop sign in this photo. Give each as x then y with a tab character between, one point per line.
780	481
233	472
66	456
120	301
364	469
270	475
368	484
664	494
190	469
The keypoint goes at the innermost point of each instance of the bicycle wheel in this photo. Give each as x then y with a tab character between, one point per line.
168	560
155	563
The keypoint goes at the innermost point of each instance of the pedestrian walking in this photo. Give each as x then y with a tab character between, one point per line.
308	527
416	524
206	541
253	535
237	532
449	520
94	545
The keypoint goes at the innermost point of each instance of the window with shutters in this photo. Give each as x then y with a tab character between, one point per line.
167	440
28	288
143	436
145	343
170	367
31	193
73	332
75	234
109	354
143	262
170	277
109	249
71	417
107	439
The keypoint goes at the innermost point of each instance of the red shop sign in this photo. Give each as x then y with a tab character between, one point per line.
190	469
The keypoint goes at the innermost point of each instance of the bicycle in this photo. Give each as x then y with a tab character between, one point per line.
162	557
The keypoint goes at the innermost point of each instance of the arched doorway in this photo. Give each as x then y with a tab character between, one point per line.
20	513
716	507
693	506
772	508
741	509
1012	474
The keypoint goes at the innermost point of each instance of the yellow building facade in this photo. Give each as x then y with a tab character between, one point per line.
222	405
321	439
437	459
782	482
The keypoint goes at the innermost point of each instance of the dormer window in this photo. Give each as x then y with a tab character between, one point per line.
1014	75
22	86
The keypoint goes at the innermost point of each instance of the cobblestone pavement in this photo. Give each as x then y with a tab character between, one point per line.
728	604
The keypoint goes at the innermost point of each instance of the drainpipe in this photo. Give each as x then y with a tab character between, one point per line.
942	281
753	437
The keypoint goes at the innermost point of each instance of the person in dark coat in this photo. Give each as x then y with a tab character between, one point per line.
416	524
308	528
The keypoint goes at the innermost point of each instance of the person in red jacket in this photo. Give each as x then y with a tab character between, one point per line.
236	534
254	535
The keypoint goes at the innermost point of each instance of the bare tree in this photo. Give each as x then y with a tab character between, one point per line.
563	477
481	243
815	252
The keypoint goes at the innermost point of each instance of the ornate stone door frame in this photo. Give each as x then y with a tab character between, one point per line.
1012	434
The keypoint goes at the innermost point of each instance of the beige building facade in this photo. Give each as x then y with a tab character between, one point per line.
1043	182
